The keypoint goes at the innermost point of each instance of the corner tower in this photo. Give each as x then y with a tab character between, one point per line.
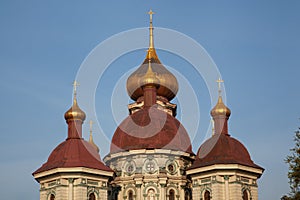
74	170
223	168
150	149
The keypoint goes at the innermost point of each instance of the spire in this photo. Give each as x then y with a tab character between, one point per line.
91	141
151	53
75	116
220	113
151	42
219	81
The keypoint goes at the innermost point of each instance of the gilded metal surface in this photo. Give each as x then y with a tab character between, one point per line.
168	85
220	109
75	112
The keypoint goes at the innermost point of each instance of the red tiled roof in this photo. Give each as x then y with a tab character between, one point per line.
150	128
222	149
73	153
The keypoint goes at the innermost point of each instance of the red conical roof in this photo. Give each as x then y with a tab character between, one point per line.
73	153
222	149
150	128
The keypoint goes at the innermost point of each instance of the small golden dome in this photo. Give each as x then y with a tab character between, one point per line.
220	109
75	112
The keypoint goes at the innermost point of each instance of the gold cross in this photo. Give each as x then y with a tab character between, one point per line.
91	126
151	14
75	85
219	81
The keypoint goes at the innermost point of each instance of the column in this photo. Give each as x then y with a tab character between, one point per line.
163	191
138	191
226	179
70	191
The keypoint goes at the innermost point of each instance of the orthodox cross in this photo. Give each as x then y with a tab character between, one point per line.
151	14
75	85
219	81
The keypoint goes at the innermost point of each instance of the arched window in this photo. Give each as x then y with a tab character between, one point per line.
171	195
151	194
245	195
206	195
130	195
52	197
187	195
92	196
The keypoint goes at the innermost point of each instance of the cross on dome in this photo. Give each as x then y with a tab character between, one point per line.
151	14
219	81
75	85
151	43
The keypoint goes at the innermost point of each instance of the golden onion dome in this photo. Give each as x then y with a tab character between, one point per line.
220	109
168	85
75	113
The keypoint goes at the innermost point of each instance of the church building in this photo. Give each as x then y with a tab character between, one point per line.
151	156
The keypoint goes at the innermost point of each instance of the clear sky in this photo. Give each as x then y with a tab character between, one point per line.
255	45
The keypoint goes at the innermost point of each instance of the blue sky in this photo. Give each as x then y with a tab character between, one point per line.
254	44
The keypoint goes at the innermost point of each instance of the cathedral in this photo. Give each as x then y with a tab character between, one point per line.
151	156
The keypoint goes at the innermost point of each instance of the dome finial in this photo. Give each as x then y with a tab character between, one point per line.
220	113
219	81
91	141
220	108
151	54
168	82
75	112
151	43
75	85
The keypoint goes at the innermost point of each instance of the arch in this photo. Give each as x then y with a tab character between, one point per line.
52	197
207	195
203	190
246	194
151	190
171	194
130	192
92	196
130	195
174	187
187	194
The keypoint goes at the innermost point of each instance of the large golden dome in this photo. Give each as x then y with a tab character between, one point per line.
168	85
